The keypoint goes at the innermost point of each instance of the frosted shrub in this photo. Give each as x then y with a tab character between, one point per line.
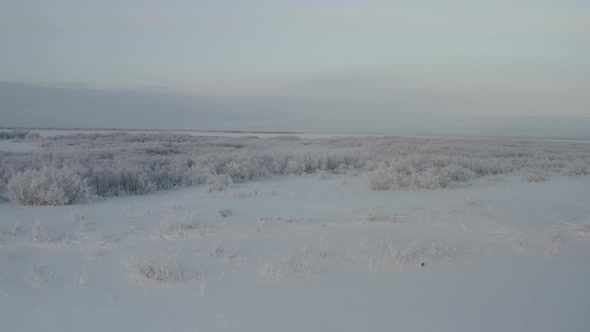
386	254
430	179
372	217
415	174
444	177
33	137
218	182
171	224
245	169
534	176
385	179
415	255
39	235
135	182
456	173
171	176
472	200
584	230
47	186
225	212
324	248
105	182
154	268
162	269
304	262
40	275
322	175
198	174
2	191
80	280
121	179
577	168
295	167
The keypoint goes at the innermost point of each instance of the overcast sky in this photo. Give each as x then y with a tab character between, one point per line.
359	63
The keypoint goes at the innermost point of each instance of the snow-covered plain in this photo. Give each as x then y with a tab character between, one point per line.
309	252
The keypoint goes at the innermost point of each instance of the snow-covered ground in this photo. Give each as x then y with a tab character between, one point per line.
304	253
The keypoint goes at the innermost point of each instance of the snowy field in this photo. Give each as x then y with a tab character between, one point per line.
181	233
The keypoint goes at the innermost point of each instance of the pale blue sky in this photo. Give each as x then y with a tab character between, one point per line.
384	59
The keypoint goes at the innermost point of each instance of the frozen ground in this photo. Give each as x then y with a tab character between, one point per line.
304	253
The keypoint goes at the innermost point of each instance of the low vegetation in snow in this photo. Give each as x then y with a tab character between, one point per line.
162	269
67	168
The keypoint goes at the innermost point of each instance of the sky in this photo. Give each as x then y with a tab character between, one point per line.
324	65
